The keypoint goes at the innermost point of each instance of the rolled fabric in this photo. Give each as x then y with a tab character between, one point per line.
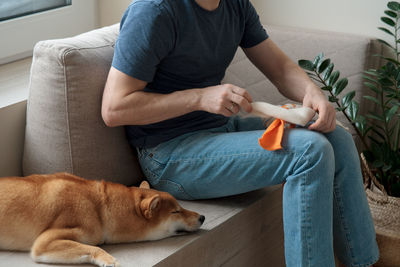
295	114
272	138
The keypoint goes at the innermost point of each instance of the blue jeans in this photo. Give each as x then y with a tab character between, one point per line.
324	202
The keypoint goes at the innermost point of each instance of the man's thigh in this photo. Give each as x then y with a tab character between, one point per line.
222	162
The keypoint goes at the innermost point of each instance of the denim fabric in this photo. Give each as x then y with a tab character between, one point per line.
324	203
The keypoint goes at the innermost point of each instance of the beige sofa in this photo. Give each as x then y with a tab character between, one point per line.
65	132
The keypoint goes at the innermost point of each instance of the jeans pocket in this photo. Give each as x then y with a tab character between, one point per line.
151	168
173	188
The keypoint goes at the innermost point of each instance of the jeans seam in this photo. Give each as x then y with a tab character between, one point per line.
220	157
343	223
178	185
336	197
305	209
309	248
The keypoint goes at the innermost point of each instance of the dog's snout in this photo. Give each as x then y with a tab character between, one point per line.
201	219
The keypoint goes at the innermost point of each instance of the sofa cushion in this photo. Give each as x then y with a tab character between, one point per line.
65	130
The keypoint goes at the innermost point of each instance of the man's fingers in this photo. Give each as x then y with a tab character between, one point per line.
242	92
241	102
326	121
241	97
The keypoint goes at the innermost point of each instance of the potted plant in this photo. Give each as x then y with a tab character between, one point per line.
378	131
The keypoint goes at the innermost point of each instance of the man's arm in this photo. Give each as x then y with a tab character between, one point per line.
292	82
125	102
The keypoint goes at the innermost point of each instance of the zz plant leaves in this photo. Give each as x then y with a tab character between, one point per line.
379	130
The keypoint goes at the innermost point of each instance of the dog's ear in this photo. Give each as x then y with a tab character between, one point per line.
145	185
149	205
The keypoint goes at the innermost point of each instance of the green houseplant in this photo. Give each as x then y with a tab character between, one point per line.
378	130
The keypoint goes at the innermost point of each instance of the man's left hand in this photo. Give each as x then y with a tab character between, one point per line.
326	121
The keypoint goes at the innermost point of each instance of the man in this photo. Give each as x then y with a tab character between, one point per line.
165	86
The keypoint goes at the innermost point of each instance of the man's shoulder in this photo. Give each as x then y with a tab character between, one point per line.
171	8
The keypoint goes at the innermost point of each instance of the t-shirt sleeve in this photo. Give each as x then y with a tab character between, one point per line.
254	32
146	36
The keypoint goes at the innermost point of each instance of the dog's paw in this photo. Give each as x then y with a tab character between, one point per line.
106	260
115	264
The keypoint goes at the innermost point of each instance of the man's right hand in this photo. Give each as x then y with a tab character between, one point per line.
225	99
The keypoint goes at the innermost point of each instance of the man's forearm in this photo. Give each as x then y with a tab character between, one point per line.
289	78
294	83
141	108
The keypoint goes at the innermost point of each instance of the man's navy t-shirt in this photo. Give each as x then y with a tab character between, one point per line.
177	45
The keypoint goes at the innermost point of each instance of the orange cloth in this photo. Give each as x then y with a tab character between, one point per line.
272	137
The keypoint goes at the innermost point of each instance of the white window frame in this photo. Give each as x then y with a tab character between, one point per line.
18	36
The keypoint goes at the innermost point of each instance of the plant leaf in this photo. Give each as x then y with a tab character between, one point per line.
352	110
391	60
346	100
306	64
373	99
375	147
334	77
361	123
391	13
318	59
385	168
378	133
327	88
375	117
324	65
372	72
377	163
372	87
328	72
386	31
339	86
391	112
388	21
394	6
385	82
333	99
385	43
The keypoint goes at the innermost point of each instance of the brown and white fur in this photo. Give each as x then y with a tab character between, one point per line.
61	218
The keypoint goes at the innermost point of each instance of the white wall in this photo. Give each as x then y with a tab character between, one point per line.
351	16
111	11
354	16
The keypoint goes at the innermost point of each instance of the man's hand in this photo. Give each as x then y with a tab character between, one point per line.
225	99
326	121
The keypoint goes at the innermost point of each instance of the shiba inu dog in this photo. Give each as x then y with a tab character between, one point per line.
61	218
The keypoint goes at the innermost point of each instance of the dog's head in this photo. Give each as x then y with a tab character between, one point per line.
166	216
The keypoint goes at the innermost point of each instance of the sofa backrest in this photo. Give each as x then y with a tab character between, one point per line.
65	131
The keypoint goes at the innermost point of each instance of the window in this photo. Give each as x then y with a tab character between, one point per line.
25	22
10	9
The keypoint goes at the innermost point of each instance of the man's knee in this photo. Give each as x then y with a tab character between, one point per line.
321	149
343	143
315	151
